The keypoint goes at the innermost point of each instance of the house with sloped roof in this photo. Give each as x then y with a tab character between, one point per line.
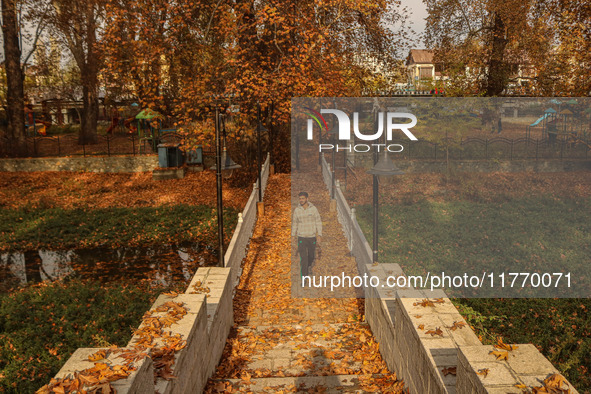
423	72
421	69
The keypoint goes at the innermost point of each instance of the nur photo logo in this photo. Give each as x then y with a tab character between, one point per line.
386	121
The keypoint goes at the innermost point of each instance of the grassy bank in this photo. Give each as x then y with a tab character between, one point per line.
58	228
526	233
560	329
530	234
42	325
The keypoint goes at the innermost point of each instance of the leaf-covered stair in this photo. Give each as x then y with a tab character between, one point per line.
281	343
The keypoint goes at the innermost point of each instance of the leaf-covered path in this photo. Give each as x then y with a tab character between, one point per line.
279	343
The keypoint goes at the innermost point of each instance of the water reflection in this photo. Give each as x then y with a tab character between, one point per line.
162	264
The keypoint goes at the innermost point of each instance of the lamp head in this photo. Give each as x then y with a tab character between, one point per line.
385	167
261	127
228	165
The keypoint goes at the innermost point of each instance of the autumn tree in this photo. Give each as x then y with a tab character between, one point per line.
568	67
483	43
14	14
153	48
15	99
78	23
185	58
56	73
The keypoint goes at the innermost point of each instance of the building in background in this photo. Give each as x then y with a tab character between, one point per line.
422	73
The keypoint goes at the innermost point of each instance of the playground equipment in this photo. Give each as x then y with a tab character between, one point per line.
39	127
545	120
149	127
568	124
122	123
123	119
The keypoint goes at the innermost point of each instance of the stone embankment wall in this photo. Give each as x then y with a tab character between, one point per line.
82	164
150	162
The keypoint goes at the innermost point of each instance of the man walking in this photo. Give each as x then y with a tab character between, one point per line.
307	227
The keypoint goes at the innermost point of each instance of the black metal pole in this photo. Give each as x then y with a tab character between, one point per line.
375	218
271	132
332	166
375	203
345	165
259	160
218	166
297	145
334	144
319	153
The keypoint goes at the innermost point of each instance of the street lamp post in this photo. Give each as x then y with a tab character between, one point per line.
297	143
224	164
271	139
333	133
333	164
319	152
260	128
384	167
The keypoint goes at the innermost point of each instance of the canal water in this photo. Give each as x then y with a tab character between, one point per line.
161	264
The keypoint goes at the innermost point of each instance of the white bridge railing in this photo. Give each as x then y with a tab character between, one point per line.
246	220
356	240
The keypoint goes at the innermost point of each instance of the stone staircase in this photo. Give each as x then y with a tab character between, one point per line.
303	358
283	342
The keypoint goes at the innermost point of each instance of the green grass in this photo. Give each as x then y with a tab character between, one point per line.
516	235
65	129
74	129
524	234
55	228
42	325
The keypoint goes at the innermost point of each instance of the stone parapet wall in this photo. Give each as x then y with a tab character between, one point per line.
427	342
525	366
203	329
142	163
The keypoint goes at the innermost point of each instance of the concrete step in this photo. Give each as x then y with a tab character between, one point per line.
299	384
317	349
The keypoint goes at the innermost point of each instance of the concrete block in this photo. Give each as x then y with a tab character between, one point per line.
160	174
443	357
138	382
391	269
463	336
499	373
527	360
525	365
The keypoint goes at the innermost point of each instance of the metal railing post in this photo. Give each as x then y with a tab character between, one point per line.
352	226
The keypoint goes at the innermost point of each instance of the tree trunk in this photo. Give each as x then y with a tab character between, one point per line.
33	266
89	73
14	78
90	109
497	68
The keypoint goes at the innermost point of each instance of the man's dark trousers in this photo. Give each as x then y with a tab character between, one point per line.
306	249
